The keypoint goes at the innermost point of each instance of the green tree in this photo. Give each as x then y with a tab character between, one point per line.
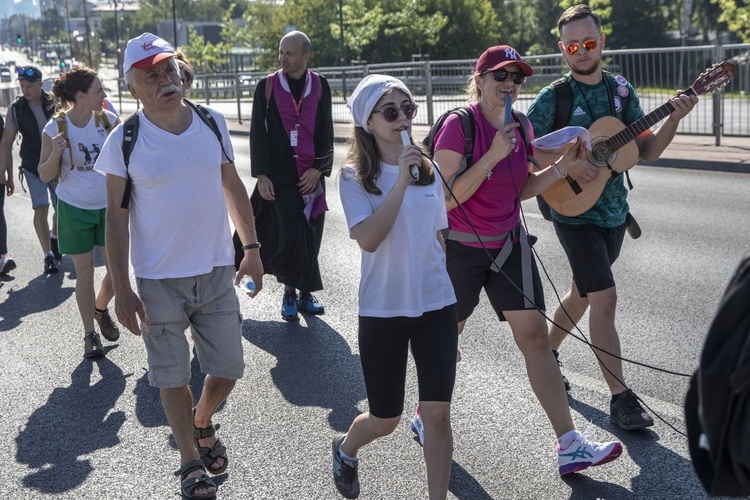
532	24
362	27
736	15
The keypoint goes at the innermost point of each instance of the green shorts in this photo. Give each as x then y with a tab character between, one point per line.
79	230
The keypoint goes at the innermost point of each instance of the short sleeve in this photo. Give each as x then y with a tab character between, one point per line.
354	198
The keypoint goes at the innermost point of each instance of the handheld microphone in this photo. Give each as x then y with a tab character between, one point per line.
508	109
413	169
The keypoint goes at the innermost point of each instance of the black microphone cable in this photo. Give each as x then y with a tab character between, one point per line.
582	337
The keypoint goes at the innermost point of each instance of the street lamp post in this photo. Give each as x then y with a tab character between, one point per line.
341	43
88	33
174	23
117	59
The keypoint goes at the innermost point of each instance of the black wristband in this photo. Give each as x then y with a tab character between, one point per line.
251	246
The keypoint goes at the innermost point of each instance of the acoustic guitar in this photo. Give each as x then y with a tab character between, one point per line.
613	150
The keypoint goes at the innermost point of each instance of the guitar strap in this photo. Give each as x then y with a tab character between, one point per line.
613	112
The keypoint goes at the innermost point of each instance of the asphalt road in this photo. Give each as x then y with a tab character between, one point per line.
81	429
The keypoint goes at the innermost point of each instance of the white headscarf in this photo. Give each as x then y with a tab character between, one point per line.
368	93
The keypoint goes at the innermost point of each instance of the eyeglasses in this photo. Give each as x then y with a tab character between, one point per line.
589	45
30	72
501	75
390	113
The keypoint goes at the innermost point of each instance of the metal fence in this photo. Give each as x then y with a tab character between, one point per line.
439	85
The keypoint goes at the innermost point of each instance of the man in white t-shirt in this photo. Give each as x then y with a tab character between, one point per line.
183	186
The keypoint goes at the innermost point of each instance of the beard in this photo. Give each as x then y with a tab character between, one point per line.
585	71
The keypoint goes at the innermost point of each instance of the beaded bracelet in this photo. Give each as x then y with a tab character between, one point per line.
486	167
556	171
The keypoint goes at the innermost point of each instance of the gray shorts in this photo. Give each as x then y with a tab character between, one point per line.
208	304
39	191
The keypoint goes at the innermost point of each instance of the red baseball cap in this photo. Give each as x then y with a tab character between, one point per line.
498	56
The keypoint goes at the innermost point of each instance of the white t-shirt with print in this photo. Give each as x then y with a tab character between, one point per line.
406	275
179	226
79	184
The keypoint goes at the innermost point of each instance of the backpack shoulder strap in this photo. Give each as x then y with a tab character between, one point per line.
101	118
209	120
62	128
129	136
269	89
469	129
320	87
525	128
525	131
564	99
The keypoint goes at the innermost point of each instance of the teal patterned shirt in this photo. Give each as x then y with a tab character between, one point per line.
612	207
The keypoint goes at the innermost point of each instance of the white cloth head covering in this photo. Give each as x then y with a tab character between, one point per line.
368	93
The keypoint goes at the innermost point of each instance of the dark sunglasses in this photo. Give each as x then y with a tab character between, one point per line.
30	72
501	75
390	113
573	48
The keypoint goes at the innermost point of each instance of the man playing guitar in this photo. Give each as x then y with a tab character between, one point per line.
592	240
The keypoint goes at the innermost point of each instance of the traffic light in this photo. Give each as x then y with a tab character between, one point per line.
19	40
62	64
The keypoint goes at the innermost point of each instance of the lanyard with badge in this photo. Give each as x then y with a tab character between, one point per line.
294	134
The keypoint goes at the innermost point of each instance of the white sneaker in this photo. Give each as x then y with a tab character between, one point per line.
417	428
583	453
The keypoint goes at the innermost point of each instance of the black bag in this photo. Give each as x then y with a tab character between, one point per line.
717	405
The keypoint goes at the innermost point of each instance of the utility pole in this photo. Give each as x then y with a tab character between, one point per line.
341	42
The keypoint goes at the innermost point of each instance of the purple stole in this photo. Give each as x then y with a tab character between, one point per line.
304	124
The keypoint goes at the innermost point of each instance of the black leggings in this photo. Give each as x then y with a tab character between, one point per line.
3	226
384	349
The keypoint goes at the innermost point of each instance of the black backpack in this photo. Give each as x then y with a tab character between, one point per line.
467	122
130	134
717	405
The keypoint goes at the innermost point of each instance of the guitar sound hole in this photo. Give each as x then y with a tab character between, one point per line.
602	152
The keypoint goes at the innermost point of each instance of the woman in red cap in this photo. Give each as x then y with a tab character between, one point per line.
489	193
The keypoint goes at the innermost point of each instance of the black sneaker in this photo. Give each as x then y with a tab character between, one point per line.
559	363
107	326
7	265
344	475
92	345
55	248
49	265
627	412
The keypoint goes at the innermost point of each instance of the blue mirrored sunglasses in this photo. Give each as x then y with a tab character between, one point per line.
30	72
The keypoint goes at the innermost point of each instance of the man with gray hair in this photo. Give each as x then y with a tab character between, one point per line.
291	150
183	184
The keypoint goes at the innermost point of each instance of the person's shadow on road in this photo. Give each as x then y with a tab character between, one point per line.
661	469
315	366
43	293
464	486
148	408
75	421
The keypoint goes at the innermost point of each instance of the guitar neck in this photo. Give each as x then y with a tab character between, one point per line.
638	127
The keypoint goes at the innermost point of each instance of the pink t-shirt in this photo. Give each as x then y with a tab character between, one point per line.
494	208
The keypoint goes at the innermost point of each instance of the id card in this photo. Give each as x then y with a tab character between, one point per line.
293	138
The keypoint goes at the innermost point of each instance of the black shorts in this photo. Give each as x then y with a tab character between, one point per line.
383	351
591	251
470	270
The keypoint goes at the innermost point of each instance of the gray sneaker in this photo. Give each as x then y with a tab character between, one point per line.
627	412
559	363
107	326
344	475
92	345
